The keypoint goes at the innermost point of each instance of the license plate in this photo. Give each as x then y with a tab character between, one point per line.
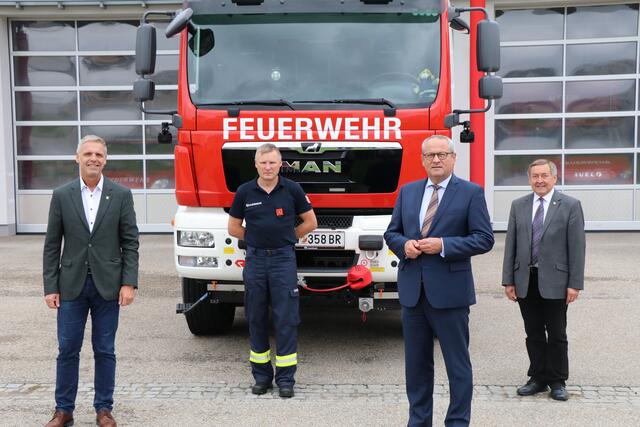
322	239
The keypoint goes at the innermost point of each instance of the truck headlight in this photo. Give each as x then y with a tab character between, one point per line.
198	239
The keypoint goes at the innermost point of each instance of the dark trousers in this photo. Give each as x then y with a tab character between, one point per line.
270	279
545	323
420	324
72	317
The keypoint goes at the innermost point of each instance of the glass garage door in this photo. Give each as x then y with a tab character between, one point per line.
74	78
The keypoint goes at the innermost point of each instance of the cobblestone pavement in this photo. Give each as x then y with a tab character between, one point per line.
371	392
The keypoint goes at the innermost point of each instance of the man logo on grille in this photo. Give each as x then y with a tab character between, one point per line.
311	147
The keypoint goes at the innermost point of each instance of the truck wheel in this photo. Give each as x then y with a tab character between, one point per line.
206	318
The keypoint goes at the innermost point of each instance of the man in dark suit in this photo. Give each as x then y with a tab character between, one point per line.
437	225
543	270
97	273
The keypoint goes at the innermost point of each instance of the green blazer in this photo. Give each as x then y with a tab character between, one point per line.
111	249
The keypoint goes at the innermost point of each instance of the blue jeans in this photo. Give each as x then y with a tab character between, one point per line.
72	317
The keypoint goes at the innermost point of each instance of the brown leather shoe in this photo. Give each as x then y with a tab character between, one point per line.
105	419
60	419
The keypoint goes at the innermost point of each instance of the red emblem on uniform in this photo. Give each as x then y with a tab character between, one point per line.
279	212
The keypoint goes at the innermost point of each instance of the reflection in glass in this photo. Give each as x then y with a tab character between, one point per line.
531	24
530	98
107	35
108	105
43	35
165	100
599	132
125	172
600	95
531	61
107	70
598	169
45	174
46	106
602	21
125	139
151	138
44	70
512	170
601	58
166	70
160	175
46	140
528	134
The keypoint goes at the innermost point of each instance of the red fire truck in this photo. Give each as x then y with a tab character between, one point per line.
347	89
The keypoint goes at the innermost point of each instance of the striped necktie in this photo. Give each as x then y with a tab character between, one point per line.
536	231
431	211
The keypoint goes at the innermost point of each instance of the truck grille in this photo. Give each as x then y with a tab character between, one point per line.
325	260
331	221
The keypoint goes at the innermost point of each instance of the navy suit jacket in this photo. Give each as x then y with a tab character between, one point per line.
462	221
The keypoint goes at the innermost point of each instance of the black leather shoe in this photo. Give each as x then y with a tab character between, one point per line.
531	387
559	392
286	391
261	388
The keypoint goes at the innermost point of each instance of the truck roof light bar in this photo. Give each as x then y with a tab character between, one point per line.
376	1
248	2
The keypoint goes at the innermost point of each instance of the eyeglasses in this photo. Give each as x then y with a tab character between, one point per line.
441	156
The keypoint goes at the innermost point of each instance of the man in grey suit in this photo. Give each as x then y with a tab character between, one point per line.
543	270
97	273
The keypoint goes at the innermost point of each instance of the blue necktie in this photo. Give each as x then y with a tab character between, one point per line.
536	231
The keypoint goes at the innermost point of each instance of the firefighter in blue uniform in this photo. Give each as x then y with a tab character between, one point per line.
269	206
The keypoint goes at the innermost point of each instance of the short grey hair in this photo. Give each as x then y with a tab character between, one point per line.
542	162
452	147
91	138
267	148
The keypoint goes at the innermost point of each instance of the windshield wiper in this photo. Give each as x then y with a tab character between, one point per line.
234	112
366	101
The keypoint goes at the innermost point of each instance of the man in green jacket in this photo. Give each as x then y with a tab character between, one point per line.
97	273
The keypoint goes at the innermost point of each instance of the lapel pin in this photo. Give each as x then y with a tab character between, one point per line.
553	202
108	198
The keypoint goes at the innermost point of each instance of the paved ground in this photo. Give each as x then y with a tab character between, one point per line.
350	373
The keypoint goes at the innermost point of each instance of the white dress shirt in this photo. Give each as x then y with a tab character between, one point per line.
536	202
91	200
426	198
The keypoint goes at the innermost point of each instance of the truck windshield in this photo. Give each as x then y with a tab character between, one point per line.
303	57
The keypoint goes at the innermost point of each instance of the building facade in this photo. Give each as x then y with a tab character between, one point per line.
570	71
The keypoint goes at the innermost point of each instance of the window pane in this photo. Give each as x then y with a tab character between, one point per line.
45	174
600	132
46	106
44	70
165	100
164	43
590	169
109	105
125	172
601	58
107	70
602	95
602	21
107	35
46	140
512	170
153	146
531	24
536	134
530	98
120	139
43	35
531	61
166	70
160	174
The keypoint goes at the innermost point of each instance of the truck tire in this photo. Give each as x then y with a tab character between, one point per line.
206	318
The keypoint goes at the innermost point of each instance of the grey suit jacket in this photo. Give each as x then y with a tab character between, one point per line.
561	251
111	248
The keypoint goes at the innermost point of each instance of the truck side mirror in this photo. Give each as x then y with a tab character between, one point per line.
145	49
143	89
490	87
488	46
